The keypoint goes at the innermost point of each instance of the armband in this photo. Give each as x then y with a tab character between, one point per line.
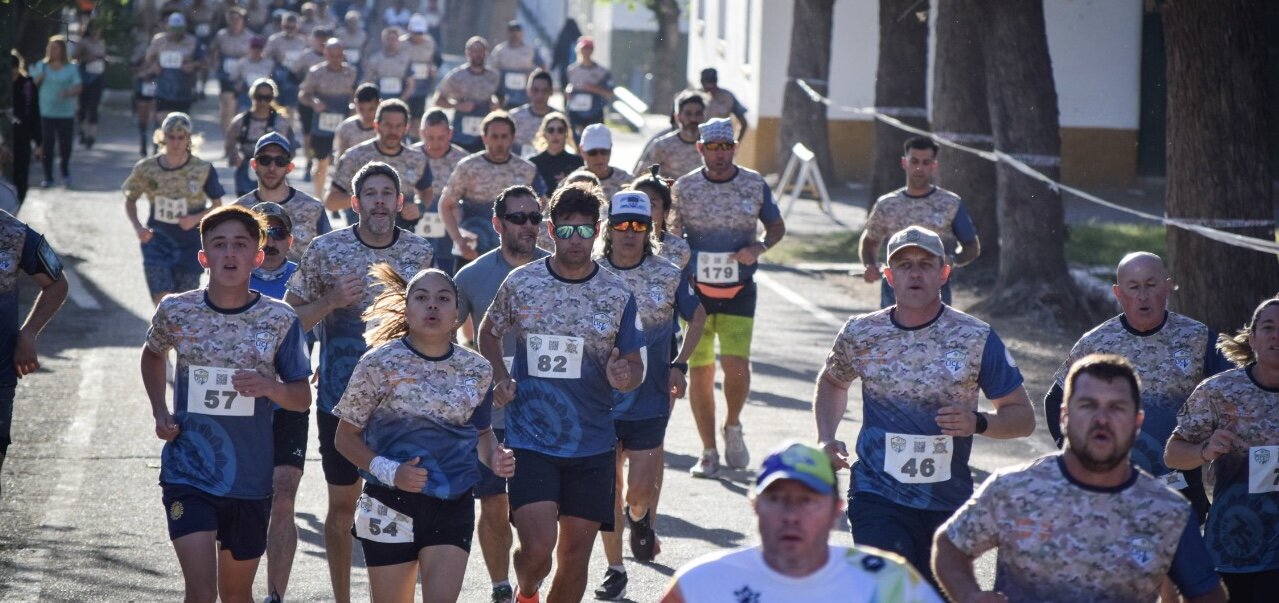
384	469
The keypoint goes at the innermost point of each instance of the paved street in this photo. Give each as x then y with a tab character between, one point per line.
80	515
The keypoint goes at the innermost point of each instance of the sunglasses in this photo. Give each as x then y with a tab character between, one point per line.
519	219
718	146
585	231
598	152
277	233
278	160
266	98
630	225
557	130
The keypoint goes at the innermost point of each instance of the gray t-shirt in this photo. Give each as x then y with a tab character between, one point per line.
477	285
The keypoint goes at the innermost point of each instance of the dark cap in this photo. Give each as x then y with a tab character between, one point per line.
273	138
795	461
514	24
268	209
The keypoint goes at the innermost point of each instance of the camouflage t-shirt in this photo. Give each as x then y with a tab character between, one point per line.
676	156
1243	524
304	63
461	84
1170	363
350	133
565	331
720	218
477	180
661	293
285	50
226	441
1061	540
21	249
390	73
940	211
173	83
334	88
674	248
245	138
307	214
173	193
421	63
230	48
722	103
352	44
581	102
339	253
526	124
412	405
513	58
902	454
414	173
617	179
246	70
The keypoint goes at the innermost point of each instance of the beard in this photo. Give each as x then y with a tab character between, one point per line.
1093	460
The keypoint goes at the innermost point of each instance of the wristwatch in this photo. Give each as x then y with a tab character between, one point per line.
982	423
682	366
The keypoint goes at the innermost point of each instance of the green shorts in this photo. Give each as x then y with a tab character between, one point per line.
734	334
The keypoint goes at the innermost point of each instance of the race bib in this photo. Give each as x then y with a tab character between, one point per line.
380	523
95	67
1173	479
228	64
329	121
431	225
580	102
390	85
717	268
202	30
472	125
918	459
291	56
352	55
421	71
209	392
169	209
515	80
171	59
554	356
147	89
1263	469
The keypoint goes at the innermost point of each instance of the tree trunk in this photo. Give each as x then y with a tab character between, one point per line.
1033	279
804	120
665	52
900	86
960	114
1218	156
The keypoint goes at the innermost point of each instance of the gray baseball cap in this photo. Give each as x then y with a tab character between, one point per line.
916	236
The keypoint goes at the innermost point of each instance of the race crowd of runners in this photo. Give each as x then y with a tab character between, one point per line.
501	315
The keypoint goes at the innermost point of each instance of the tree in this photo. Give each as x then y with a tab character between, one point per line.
1218	155
1022	97
900	86
803	119
960	114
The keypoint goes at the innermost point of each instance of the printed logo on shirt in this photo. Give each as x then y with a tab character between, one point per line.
1142	552
1181	358
600	322
746	595
954	362
262	341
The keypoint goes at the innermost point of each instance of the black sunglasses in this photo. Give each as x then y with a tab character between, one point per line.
519	219
595	152
277	233
266	98
556	130
267	160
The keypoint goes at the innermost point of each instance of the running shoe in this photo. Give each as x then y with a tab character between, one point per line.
708	467
736	456
643	539
502	594
614	586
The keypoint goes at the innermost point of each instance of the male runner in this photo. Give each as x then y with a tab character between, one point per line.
389	68
229	45
528	117
326	90
515	60
361	126
442	156
419	46
471	90
272	162
676	152
391	121
597	150
723	104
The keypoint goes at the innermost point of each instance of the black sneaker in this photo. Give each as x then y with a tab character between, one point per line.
613	588
643	540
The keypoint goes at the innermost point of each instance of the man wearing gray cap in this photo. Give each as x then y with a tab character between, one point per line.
718	208
722	102
921	363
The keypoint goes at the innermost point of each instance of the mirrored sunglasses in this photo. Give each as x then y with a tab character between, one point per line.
585	231
630	225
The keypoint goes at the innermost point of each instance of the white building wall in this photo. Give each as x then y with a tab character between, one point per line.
1096	53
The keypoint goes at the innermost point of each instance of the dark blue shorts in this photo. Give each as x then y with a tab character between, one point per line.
170	266
881	523
240	523
582	486
644	434
436	522
337	470
290	429
490	484
7	393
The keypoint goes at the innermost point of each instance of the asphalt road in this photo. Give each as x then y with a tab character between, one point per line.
80	514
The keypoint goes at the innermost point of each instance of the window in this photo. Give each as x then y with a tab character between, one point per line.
723	19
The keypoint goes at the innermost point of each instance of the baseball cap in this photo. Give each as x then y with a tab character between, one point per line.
257	42
916	236
596	136
514	24
630	205
177	20
273	138
586	42
417	24
177	121
268	209
804	464
719	129
710	74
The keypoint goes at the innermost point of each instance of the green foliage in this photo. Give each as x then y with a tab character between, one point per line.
1103	244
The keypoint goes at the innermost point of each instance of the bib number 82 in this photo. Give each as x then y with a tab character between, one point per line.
554	364
925	468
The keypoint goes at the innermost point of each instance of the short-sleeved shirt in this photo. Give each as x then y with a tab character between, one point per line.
21	248
617	179
1170	360
350	133
339	253
1243	525
352	44
908	374
661	293
477	284
505	57
565	331
461	84
247	129
174	193
722	217
477	180
412	405
172	83
940	211
273	284
307	214
225	443
421	63
246	70
230	48
304	63
675	155
390	73
442	167
284	49
527	124
595	75
674	249
1062	540
414	172
53	102
723	103
855	574
334	87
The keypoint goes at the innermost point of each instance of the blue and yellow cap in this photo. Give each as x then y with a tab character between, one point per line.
805	464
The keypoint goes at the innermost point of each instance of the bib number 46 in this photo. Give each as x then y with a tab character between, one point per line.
926	468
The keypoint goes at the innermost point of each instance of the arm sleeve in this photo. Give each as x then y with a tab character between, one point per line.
38	257
686	300
769	212
342	173
1197	418
999	375
974	528
1192	569
160	333
1052	412
630	336
361	396
212	186
426	179
841	362
962	225
291	361
500	312
482	416
322	225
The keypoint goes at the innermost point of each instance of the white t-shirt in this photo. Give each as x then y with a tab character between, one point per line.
851	575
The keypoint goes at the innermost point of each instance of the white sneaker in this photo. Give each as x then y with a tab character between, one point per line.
736	456
708	467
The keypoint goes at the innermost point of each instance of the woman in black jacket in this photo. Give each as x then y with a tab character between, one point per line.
26	122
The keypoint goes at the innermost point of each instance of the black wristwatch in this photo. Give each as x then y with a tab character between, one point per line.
982	424
682	366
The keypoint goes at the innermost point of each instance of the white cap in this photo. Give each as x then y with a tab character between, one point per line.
417	24
177	20
630	205
596	136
